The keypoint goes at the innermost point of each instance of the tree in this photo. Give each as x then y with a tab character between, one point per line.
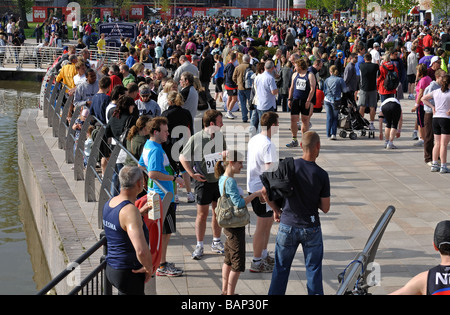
441	7
399	8
25	7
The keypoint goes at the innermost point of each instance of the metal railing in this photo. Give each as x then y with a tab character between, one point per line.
42	58
354	280
56	106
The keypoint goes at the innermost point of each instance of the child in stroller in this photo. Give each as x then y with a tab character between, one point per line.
350	120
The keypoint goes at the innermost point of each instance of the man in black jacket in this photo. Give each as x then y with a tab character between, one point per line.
205	71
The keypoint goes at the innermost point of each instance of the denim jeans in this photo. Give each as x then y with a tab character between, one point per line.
332	118
244	98
288	239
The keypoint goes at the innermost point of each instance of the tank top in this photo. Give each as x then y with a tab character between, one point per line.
121	253
301	87
438	282
219	73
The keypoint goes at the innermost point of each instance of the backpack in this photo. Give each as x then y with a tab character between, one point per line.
391	81
248	78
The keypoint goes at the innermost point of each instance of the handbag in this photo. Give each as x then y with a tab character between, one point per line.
228	215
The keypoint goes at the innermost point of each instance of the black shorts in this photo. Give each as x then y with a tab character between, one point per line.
206	192
219	84
232	92
299	107
420	113
260	209
392	113
441	126
126	281
411	78
170	222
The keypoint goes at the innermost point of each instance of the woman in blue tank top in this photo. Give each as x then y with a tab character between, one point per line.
301	93
129	261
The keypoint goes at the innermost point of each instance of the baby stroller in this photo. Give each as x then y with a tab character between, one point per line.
350	120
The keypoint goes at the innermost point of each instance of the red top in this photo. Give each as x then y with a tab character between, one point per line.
382	76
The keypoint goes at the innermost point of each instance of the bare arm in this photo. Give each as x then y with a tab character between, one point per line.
131	221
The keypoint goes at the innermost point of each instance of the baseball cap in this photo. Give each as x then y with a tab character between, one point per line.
434	59
442	233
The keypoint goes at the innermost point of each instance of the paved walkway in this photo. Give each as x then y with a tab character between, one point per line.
365	179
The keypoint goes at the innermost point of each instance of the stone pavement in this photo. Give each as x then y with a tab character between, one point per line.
365	180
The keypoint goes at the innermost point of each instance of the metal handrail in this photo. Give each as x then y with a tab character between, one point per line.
53	99
34	57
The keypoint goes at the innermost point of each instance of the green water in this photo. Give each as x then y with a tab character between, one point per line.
20	267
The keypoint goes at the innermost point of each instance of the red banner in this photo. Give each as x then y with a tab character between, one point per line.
39	14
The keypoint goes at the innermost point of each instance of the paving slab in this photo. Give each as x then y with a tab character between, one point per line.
365	179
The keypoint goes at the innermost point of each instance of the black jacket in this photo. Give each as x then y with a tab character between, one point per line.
280	183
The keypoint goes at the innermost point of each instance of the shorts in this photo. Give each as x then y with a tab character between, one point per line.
235	248
411	78
219	84
299	107
441	126
206	192
232	92
420	113
260	209
170	222
126	281
368	98
392	113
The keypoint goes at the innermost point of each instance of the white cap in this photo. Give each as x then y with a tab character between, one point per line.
434	59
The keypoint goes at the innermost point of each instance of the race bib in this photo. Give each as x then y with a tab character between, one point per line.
211	160
300	84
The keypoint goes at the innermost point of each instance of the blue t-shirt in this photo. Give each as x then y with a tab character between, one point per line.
130	61
153	158
98	107
360	61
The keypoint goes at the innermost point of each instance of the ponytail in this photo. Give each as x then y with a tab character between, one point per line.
230	156
219	168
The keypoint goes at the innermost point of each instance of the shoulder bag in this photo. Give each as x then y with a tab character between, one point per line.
228	215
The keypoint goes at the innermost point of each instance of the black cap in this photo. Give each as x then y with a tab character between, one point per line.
442	233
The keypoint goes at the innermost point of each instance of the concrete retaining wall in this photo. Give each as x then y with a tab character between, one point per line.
63	228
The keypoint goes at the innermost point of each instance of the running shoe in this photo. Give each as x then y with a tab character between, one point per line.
169	270
444	170
292	144
261	266
198	253
391	146
229	115
419	143
435	168
218	247
190	197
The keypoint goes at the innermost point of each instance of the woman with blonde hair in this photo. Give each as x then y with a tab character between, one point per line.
170	85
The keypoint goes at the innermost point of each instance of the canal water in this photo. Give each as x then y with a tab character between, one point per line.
23	269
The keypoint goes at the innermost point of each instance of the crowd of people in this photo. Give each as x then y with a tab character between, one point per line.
300	65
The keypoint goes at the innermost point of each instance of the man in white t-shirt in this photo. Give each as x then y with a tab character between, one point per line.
375	53
262	156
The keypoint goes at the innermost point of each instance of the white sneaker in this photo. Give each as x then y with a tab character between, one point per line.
419	143
333	137
229	115
190	197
